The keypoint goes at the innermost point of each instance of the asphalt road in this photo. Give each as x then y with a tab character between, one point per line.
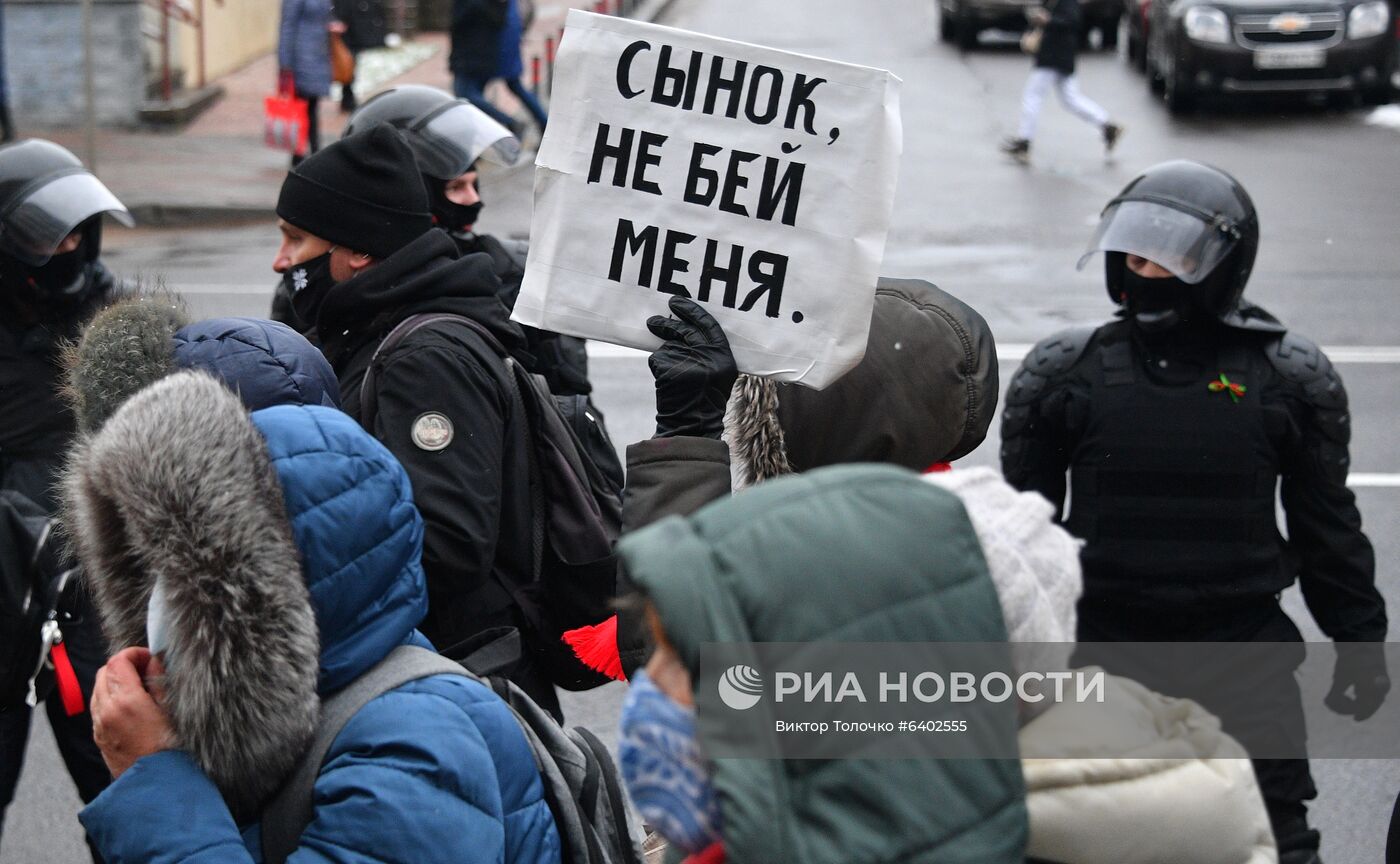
1001	236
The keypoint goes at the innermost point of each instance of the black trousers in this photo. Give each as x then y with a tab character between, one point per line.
87	651
1262	699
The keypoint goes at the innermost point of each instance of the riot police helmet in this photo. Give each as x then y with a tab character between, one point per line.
1193	220
45	195
447	135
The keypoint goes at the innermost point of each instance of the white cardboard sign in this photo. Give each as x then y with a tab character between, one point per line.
756	181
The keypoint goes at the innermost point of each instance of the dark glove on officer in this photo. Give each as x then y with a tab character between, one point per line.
1360	668
694	371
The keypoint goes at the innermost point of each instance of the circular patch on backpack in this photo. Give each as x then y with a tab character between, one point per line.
432	431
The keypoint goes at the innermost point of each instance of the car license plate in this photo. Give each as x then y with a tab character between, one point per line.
1290	58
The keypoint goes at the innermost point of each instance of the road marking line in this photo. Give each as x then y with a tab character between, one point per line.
1015	352
1368	354
1374	481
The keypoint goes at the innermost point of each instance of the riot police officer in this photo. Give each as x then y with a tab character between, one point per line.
51	281
450	138
1175	423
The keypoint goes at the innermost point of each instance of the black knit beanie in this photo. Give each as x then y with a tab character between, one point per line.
363	193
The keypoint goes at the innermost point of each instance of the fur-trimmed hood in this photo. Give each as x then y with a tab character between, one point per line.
141	338
263	531
177	488
925	393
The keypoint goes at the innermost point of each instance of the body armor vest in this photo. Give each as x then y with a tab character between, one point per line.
1173	485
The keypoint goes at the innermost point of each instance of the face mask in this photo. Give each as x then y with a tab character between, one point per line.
1156	304
451	216
665	773
307	284
64	276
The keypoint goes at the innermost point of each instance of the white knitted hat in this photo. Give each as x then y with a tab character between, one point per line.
1033	561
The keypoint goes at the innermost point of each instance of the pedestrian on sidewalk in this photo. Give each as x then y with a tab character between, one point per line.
304	59
1182	425
476	50
511	66
1058	25
247	567
51	281
364	29
7	129
854	553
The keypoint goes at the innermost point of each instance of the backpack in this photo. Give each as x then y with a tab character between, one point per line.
32	583
581	785
575	501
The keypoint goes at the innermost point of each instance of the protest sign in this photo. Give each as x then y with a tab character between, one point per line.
756	181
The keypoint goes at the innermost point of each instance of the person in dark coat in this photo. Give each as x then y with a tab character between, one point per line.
1059	26
51	281
360	255
511	66
304	59
1181	426
364	29
475	55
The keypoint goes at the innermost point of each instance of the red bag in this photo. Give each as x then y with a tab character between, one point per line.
285	123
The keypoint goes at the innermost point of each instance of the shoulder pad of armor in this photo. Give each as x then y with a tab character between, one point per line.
1048	359
1302	363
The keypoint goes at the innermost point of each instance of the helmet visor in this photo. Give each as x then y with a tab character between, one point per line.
1186	244
37	225
447	141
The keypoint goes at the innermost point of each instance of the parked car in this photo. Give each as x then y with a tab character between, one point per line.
1195	47
961	21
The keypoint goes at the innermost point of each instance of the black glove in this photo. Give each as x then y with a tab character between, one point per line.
694	371
1360	668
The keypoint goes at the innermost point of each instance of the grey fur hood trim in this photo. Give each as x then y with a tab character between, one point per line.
924	393
126	346
177	487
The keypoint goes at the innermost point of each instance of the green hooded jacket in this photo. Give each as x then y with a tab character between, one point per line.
856	553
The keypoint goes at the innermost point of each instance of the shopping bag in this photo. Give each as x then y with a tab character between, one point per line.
285	122
342	61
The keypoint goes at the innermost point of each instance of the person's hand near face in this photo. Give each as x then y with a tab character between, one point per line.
128	722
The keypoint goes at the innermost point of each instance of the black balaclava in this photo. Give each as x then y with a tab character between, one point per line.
1160	305
62	282
450	216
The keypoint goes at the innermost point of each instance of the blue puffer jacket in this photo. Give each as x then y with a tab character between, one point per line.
264	362
434	771
303	45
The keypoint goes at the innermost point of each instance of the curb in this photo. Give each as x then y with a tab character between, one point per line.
156	214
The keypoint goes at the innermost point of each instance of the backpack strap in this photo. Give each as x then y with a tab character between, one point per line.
288	813
602	765
369	408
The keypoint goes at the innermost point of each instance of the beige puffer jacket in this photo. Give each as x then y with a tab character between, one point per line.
1176	788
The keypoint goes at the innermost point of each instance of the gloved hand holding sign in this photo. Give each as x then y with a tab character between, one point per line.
694	371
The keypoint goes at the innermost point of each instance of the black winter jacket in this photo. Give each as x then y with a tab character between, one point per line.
476	32
1061	39
562	360
364	23
473	490
36	424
